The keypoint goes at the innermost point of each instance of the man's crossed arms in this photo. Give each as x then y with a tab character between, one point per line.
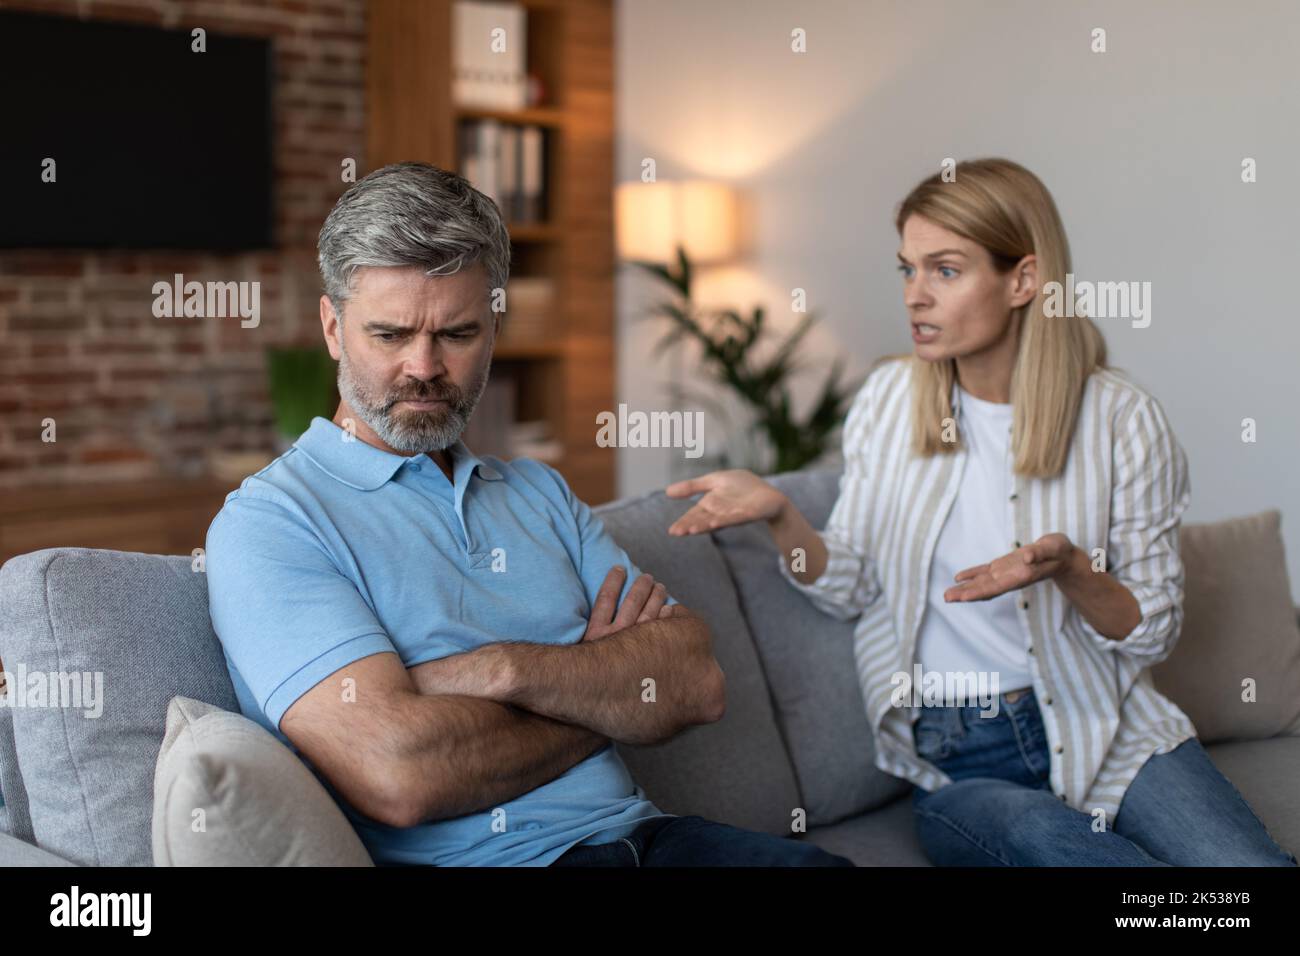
470	731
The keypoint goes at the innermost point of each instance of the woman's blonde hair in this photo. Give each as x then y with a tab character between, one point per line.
1007	210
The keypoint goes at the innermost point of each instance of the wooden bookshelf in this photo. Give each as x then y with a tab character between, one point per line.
569	378
537	116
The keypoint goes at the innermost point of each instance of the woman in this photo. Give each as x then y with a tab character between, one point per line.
1010	509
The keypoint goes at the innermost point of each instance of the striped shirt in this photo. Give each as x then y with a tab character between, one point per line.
1123	489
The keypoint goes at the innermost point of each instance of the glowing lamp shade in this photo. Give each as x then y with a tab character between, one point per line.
653	219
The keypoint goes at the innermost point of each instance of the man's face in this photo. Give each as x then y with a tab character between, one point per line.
414	353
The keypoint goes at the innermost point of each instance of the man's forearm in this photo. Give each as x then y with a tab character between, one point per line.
463	754
640	685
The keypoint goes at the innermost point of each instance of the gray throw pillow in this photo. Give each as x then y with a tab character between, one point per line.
808	659
735	771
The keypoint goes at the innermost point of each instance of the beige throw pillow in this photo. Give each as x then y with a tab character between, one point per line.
228	793
1238	624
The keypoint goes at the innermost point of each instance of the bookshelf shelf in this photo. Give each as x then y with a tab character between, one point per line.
538	116
509	351
566	377
534	232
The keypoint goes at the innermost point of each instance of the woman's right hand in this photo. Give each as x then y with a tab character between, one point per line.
734	496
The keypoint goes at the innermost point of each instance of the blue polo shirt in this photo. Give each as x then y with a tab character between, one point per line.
338	550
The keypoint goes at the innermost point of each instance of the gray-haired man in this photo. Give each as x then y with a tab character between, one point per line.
453	643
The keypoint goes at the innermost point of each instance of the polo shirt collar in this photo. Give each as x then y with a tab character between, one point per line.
366	467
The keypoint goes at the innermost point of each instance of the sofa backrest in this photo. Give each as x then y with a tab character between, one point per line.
810	665
737	770
785	662
135	627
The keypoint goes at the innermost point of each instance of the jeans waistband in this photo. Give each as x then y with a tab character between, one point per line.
1011	698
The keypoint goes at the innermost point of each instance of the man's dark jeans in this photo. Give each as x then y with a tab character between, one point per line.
694	841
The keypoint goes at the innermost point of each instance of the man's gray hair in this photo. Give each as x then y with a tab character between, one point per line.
409	214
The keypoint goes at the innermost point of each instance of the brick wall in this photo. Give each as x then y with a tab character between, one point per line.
136	396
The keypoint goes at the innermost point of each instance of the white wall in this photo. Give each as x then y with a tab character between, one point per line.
1141	147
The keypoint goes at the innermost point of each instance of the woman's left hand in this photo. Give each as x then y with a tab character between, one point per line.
1050	556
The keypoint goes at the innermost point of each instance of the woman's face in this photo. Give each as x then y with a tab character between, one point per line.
958	303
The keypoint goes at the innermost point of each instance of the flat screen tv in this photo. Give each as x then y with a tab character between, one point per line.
154	146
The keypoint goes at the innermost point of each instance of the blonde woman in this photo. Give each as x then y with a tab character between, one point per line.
1010	509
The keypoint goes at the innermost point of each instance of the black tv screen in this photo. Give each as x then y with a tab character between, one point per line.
155	146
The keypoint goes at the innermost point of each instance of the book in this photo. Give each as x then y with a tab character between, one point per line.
489	55
532	177
529	305
506	161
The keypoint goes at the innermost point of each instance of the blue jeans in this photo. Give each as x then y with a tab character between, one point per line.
694	841
1000	810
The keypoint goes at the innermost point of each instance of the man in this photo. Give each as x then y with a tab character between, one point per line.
453	644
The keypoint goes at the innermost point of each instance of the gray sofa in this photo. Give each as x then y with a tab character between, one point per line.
793	747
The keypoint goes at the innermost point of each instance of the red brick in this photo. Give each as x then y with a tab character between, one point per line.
42	379
46	324
138	374
98	456
49	350
126	12
121	347
32	264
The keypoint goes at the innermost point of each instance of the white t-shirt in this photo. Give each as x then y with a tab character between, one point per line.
976	635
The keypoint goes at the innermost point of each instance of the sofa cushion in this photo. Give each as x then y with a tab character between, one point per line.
1267	774
17	818
737	770
808	659
15	852
139	624
227	793
1238	623
883	837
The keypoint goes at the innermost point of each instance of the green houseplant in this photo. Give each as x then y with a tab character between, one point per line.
303	384
730	344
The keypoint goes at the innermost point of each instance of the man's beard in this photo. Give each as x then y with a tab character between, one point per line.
410	430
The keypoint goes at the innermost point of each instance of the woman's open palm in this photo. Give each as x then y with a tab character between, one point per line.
730	497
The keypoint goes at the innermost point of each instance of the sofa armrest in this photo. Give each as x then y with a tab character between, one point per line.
14	852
